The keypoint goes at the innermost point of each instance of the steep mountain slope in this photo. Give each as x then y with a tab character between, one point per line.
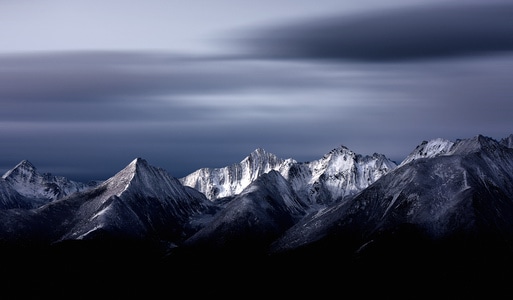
465	193
442	225
252	219
41	188
508	141
139	202
115	233
10	198
338	174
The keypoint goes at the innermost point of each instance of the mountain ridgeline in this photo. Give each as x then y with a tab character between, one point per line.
447	208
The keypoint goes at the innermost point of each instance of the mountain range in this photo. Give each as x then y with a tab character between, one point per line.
444	215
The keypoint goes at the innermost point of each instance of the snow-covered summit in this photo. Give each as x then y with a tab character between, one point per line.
24	168
427	149
231	180
43	188
508	141
339	173
475	144
140	200
121	180
439	147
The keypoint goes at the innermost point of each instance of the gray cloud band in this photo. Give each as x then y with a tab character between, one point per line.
423	32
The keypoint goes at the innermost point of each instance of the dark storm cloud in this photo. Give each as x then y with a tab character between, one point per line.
422	32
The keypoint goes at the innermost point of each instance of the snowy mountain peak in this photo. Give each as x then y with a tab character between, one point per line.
431	148
24	167
260	157
338	151
439	147
475	144
41	188
228	181
508	142
138	167
25	164
339	173
259	152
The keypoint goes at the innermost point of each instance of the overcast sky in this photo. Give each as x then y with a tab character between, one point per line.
87	86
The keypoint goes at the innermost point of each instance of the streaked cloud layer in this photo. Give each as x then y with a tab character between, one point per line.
379	81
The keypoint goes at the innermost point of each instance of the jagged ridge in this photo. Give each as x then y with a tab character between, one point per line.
338	174
41	188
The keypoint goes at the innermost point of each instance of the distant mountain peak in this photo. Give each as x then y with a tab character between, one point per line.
339	149
508	141
23	166
121	180
138	163
431	148
260	153
26	164
475	144
41	188
443	147
231	180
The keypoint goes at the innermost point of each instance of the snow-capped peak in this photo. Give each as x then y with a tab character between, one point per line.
137	165
475	144
42	188
341	149
260	152
508	142
24	167
231	180
427	149
121	180
339	173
